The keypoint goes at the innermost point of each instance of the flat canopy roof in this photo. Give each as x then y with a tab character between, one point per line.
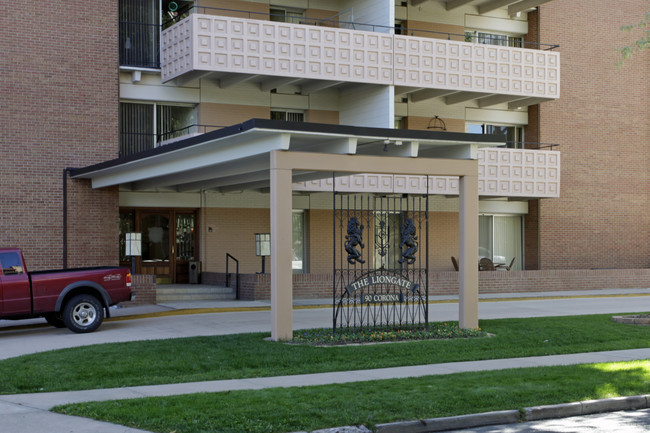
237	157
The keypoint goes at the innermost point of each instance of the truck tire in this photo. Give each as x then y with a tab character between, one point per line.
83	313
55	320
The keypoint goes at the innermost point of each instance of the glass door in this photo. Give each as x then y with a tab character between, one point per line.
156	248
184	251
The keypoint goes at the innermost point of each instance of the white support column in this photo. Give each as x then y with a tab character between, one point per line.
468	272
281	272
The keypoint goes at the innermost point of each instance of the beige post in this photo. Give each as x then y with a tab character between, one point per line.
281	272
468	242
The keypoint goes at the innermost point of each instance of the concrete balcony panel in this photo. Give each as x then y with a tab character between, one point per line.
218	46
516	173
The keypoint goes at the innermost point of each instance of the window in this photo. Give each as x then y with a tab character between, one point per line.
289	115
512	135
298	262
500	239
285	15
139	33
494	39
11	264
142	126
400	28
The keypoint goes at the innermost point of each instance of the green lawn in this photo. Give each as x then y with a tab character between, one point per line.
249	355
371	403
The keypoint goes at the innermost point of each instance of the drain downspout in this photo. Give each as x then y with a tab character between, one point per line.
66	172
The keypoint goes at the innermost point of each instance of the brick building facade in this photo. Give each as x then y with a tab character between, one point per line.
65	86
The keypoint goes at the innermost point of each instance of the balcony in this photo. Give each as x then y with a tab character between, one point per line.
233	49
512	173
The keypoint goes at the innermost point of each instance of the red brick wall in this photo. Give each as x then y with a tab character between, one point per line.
602	219
59	100
312	286
144	287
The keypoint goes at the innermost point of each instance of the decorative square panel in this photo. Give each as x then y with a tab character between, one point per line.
268	64
236	28
269	31
237	45
221	60
268	48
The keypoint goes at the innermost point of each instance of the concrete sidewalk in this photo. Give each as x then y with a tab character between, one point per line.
29	413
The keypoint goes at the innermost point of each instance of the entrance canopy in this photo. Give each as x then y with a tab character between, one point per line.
274	154
237	157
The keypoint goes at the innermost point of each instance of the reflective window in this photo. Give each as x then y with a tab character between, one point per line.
298	242
11	264
155	238
500	239
512	135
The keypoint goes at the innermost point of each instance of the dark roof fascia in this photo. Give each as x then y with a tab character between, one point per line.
282	125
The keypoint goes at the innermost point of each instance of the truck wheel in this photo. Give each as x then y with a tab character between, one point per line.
55	320
83	313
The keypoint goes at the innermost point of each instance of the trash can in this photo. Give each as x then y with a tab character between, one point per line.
194	272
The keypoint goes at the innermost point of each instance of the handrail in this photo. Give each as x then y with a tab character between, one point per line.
228	256
530	145
342	24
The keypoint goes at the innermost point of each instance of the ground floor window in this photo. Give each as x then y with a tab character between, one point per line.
500	239
298	262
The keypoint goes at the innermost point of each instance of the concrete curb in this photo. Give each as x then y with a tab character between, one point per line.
586	407
513	416
451	423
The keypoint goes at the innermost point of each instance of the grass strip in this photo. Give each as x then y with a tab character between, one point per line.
249	355
371	403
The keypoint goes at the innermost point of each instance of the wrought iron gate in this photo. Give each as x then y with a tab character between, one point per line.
381	260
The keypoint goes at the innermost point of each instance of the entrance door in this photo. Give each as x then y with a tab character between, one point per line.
184	247
156	248
168	242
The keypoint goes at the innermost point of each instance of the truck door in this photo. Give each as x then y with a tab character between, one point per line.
15	296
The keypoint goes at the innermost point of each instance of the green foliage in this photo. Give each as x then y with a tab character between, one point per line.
250	355
642	43
384	334
372	403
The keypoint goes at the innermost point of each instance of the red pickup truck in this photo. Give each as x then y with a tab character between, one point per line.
75	298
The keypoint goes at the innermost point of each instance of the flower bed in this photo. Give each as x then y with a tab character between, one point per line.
327	336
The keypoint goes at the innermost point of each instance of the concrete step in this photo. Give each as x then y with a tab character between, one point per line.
193	292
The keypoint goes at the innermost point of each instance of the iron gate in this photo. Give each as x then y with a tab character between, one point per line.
381	260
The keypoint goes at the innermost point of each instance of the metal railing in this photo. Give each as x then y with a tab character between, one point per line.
136	142
228	258
328	22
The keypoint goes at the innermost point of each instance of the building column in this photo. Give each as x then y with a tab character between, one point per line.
468	275
281	271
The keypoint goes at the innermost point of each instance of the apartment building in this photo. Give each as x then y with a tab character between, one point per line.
104	104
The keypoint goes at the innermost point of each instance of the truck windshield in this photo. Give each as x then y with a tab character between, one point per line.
11	264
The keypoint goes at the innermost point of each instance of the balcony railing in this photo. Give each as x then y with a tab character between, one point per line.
136	142
352	25
202	44
502	173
